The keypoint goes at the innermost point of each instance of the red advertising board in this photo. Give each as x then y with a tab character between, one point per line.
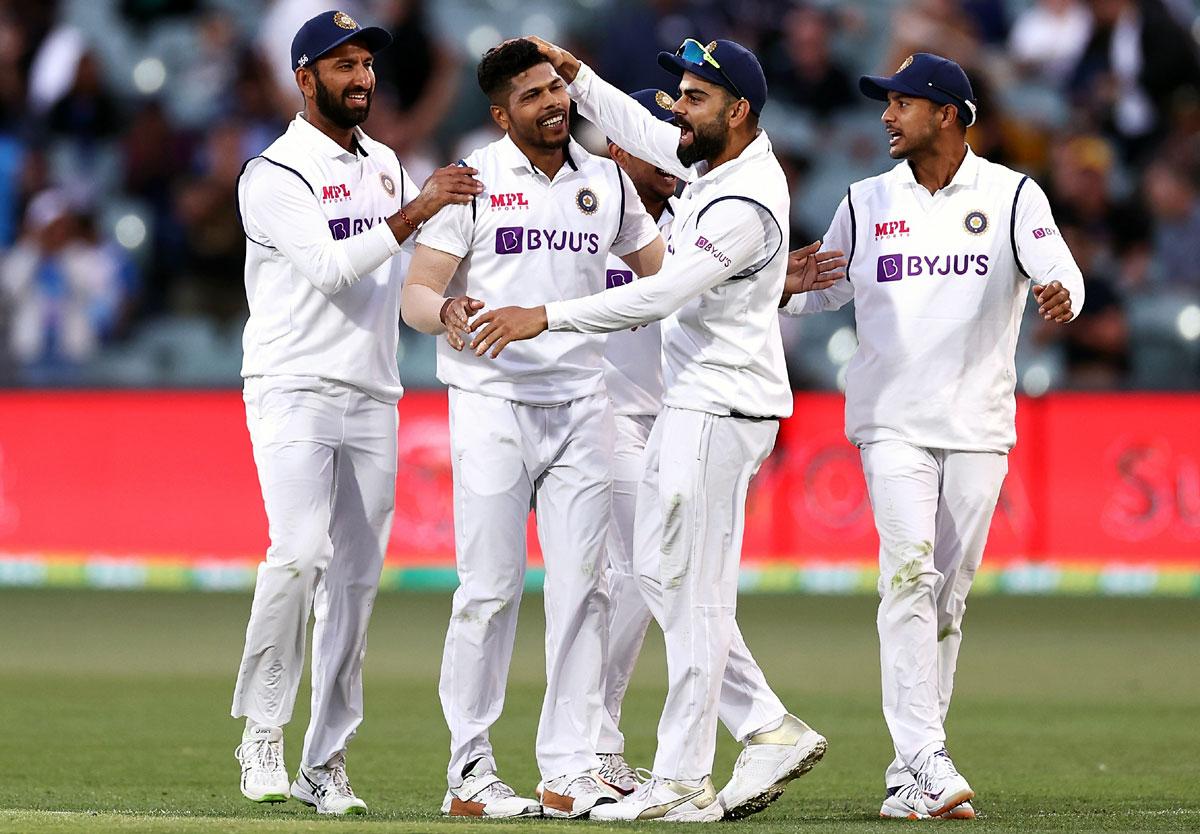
1094	479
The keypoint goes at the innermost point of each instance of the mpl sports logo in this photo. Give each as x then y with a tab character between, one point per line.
891	228
513	240
897	267
335	193
509	202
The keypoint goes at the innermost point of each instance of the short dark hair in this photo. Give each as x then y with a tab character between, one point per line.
502	63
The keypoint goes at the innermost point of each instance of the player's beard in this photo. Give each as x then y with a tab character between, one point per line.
708	141
531	137
335	110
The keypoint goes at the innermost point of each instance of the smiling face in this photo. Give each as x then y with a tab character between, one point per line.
702	112
913	124
649	180
341	84
537	108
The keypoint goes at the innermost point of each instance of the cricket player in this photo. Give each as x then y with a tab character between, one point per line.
324	210
943	249
633	377
533	429
725	390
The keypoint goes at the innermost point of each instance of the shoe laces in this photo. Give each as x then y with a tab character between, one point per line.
340	782
936	770
614	768
495	791
261	753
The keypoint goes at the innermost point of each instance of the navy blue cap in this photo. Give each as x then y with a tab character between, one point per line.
659	103
924	75
329	30
740	72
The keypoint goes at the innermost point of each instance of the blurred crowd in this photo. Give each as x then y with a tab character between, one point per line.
124	125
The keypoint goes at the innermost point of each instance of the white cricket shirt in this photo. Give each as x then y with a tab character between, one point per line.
633	358
528	239
939	283
718	291
323	298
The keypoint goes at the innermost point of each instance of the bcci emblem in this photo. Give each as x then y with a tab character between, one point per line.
906	64
388	183
976	222
344	20
663	100
586	200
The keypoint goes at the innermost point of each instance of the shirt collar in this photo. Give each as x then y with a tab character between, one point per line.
966	176
758	148
322	144
513	158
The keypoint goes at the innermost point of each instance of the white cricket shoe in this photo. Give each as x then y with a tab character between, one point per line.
483	794
617	774
571	796
328	789
936	790
264	777
767	763
667	800
906	802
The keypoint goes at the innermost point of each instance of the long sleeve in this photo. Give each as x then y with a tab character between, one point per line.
840	237
628	123
1041	249
734	235
280	212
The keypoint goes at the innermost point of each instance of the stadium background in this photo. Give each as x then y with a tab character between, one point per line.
123	125
125	465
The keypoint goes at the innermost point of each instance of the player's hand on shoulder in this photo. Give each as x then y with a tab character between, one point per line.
809	268
449	185
1054	302
456	316
496	328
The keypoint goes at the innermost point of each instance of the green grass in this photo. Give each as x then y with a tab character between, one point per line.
1070	714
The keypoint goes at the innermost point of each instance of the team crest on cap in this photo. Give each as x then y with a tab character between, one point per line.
344	20
585	200
389	185
976	222
663	100
711	46
906	64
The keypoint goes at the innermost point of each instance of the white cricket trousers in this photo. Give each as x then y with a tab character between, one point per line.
747	703
326	458
933	509
691	514
508	456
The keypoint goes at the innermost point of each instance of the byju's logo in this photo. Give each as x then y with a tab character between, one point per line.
617	278
340	227
897	267
510	240
890	268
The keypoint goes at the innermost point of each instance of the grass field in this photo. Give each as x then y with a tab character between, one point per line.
1070	714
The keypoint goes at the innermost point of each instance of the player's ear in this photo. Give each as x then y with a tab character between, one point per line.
739	112
306	82
500	117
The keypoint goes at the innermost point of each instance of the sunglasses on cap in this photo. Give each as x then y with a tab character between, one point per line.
694	52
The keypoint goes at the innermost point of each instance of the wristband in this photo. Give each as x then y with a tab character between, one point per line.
407	221
442	312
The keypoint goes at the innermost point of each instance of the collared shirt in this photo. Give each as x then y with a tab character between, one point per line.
633	358
719	288
528	239
939	282
323	298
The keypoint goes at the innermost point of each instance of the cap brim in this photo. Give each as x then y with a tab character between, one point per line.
372	37
878	86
